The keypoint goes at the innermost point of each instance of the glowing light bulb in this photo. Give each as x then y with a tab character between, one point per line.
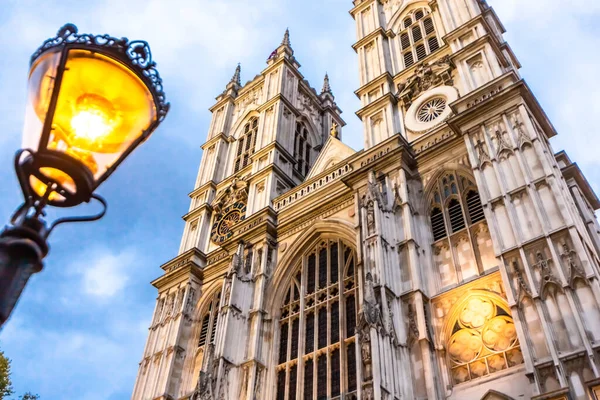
94	118
90	124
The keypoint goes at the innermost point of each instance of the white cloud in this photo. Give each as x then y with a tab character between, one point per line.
104	274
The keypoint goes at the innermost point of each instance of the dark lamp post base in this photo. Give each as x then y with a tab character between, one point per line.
22	250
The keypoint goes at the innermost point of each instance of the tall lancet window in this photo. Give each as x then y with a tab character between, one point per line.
208	330
418	38
245	145
317	356
302	149
462	242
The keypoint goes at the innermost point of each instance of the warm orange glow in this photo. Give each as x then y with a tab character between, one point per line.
59	176
102	108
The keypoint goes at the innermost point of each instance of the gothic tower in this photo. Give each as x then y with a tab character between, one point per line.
455	257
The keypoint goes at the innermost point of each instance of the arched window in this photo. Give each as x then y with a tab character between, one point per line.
452	207
208	331
418	38
245	145
318	326
462	243
302	149
481	338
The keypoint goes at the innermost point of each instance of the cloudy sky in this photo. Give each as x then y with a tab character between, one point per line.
80	329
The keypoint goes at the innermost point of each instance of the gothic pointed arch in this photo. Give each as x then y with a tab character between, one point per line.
406	8
203	338
417	36
495	395
461	239
305	142
245	143
316	310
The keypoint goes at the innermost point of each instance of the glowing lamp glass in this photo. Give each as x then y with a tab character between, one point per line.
102	109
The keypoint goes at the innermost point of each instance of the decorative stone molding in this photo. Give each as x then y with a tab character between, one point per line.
426	76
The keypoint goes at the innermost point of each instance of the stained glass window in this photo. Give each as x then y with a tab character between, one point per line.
483	339
318	326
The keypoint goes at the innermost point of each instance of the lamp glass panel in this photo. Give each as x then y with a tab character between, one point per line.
41	85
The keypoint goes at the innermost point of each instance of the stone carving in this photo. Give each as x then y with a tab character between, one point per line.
482	153
548	278
248	262
522	289
251	99
237	261
191	299
334	131
413	328
571	259
306	106
368	393
426	76
501	143
365	351
370	217
371	312
517	125
204	387
397	197
269	266
259	258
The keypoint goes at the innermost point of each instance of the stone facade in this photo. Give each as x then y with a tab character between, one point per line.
455	257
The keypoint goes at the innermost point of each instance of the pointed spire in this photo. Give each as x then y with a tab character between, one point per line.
326	86
237	76
286	39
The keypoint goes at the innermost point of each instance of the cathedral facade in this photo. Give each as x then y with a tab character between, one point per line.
455	257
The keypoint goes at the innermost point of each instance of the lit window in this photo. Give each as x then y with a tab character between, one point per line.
483	338
418	38
319	339
245	145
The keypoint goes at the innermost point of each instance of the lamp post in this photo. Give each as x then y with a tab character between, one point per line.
91	101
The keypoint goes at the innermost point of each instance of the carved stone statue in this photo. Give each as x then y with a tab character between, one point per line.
572	262
334	131
426	76
548	278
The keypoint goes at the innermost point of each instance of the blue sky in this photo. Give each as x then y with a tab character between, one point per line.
81	326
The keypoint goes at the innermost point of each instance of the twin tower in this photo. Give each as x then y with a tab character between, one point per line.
455	257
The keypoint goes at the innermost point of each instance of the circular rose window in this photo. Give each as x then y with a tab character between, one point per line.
431	110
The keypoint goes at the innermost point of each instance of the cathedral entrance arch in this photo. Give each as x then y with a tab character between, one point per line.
315	352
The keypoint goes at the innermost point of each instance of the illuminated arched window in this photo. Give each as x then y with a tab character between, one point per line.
302	149
462	242
418	37
208	330
481	337
318	326
245	145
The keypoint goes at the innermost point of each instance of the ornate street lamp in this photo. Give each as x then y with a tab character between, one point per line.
92	100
